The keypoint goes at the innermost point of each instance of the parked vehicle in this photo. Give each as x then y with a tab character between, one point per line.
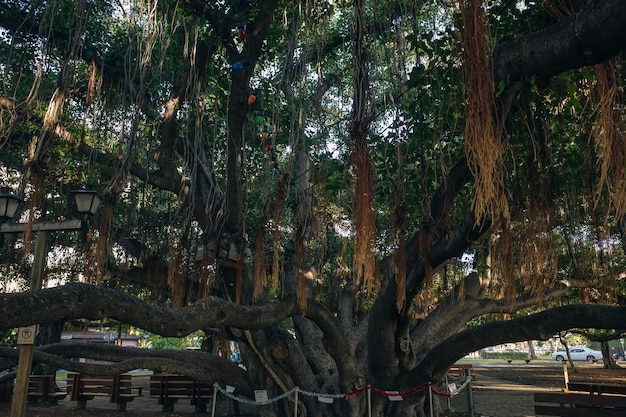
578	354
620	356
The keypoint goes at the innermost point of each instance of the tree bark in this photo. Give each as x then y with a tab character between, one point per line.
90	302
594	34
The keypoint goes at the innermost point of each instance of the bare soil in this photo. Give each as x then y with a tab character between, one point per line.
552	376
500	390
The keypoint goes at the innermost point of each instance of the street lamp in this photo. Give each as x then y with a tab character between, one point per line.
8	204
87	200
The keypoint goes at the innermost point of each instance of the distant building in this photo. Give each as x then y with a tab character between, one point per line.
92	336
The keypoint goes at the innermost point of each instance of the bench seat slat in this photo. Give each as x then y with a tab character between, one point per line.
579	405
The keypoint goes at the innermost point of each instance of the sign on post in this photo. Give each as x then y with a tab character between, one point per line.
26	335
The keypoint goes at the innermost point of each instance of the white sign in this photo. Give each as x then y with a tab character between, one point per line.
230	389
452	388
325	400
394	396
26	335
260	395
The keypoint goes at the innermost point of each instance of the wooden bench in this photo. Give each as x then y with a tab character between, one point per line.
594	388
118	388
170	388
44	388
458	370
579	405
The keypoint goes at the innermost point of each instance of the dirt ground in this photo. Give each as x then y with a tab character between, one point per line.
499	390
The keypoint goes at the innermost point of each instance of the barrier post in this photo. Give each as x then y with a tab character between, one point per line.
430	399
295	407
369	402
214	400
565	375
448	398
470	397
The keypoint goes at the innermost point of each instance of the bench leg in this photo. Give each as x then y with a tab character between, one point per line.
200	406
168	406
121	406
81	404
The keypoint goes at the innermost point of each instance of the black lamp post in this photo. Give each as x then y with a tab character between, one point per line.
87	202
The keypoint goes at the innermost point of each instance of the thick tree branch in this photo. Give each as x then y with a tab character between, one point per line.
201	366
588	37
87	301
350	377
539	326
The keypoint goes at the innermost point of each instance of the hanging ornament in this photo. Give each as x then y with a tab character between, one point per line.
272	164
251	99
241	31
264	133
240	65
269	148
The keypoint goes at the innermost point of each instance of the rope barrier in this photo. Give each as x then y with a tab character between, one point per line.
345	396
392	395
245	400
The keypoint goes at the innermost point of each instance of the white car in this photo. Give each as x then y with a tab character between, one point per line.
578	354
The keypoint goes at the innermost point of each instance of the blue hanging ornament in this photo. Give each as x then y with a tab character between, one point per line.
240	65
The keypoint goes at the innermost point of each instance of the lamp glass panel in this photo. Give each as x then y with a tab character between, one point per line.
8	206
84	202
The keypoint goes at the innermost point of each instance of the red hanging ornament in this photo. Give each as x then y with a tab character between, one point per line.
269	148
251	99
241	30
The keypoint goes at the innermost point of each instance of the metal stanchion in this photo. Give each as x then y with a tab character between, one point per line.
470	397
295	407
430	399
214	400
448	398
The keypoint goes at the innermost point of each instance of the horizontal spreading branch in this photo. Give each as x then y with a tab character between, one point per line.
592	35
95	303
538	326
208	368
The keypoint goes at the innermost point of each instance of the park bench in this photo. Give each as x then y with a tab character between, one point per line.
595	388
118	388
169	388
459	370
44	388
570	404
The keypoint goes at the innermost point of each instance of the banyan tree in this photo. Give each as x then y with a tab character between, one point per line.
356	193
